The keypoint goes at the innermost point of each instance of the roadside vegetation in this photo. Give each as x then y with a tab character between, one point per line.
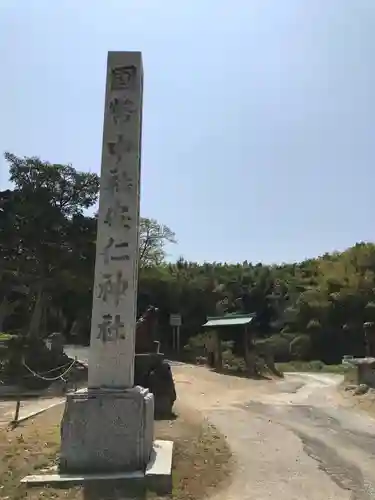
311	366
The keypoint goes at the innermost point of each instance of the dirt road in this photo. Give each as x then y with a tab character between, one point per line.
293	439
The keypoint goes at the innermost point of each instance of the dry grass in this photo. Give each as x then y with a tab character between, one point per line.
201	459
29	447
364	402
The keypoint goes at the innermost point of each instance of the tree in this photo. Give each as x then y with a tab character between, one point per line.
61	186
313	309
152	240
38	225
11	294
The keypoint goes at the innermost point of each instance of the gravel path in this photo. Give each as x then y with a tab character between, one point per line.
293	439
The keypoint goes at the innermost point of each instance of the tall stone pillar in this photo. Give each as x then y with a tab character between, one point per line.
115	290
110	427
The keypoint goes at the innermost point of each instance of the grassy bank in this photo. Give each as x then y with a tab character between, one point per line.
311	366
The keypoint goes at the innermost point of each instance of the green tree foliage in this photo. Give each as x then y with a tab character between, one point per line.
313	309
152	239
44	236
47	246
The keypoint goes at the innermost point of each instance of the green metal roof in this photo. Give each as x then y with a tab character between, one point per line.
229	320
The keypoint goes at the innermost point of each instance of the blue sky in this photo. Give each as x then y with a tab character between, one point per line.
259	115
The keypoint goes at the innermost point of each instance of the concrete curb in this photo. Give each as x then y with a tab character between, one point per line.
157	477
36	413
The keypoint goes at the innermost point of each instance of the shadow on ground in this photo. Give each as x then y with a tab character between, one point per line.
166	416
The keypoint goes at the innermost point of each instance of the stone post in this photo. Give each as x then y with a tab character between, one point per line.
112	344
110	427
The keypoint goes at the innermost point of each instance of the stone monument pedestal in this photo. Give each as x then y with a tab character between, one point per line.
107	431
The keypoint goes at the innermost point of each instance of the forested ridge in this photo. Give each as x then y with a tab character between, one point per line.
313	309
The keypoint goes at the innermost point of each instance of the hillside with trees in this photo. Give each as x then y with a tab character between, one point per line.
313	309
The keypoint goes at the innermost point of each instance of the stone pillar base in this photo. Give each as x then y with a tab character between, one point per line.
106	431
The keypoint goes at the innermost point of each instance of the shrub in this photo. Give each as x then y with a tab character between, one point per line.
197	342
195	347
299	347
232	362
277	345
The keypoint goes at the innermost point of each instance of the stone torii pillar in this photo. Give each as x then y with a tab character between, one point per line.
109	428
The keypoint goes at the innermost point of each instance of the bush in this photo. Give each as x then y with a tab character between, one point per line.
197	342
277	345
300	347
227	345
317	365
5	336
232	362
195	347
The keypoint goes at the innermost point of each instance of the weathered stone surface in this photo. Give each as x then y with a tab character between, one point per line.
113	320
109	428
361	389
156	477
107	431
159	468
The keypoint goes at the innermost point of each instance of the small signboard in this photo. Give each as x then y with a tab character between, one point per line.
175	320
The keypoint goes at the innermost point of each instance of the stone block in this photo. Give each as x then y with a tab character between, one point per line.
159	469
157	477
107	431
144	363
